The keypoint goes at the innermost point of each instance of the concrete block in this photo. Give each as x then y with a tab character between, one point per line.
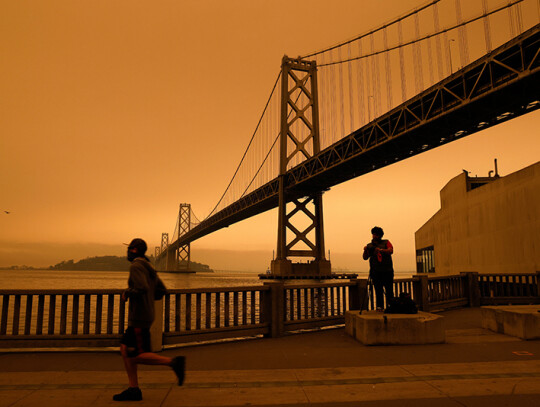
375	328
522	321
350	322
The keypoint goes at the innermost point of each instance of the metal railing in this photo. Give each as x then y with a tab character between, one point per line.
193	315
97	318
56	318
509	288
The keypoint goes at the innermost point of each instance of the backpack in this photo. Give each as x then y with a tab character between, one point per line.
403	304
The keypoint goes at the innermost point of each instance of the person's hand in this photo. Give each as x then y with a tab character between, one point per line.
365	248
124	296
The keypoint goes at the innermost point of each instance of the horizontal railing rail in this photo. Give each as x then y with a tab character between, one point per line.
85	318
60	318
520	288
447	292
191	315
309	306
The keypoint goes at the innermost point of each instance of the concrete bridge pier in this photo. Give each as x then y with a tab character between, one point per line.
313	268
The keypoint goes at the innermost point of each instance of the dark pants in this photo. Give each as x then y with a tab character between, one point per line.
383	281
137	341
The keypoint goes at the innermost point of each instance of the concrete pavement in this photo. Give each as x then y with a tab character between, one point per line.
326	368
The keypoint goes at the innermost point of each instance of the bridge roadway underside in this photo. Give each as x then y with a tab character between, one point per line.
502	85
451	126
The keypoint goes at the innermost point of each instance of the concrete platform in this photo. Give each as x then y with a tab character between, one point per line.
522	321
474	368
376	328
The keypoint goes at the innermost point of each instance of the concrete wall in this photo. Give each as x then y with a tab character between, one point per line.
494	228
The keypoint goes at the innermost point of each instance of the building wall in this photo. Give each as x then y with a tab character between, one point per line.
494	228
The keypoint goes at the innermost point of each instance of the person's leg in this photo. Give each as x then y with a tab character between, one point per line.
149	358
378	284
132	393
146	357
131	367
389	287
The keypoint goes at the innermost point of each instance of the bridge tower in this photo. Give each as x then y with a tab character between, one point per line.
169	261
299	135
183	254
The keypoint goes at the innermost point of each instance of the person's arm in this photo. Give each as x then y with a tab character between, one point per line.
388	250
365	255
137	282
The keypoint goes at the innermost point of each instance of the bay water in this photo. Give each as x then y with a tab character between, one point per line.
60	279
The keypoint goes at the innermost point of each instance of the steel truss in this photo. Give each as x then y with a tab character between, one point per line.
500	86
299	135
183	254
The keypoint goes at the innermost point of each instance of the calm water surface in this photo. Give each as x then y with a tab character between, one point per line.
53	279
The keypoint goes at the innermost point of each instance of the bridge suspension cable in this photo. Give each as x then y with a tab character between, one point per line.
419	39
372	73
358	77
247	148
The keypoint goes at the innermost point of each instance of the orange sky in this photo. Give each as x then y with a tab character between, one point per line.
114	112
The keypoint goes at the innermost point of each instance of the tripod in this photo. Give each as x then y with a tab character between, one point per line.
366	297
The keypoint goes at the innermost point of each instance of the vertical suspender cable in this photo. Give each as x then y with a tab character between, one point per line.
378	84
487	28
418	74
402	64
369	87
374	74
462	32
351	104
511	20
326	100
519	18
360	80
322	96
341	96
389	103
438	42
429	59
332	99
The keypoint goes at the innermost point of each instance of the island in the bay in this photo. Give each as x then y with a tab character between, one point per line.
105	263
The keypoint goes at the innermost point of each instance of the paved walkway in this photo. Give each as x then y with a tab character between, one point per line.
326	368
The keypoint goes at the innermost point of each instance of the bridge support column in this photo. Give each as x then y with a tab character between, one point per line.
169	254
299	138
183	254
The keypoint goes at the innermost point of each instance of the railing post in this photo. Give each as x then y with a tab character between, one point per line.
421	295
538	283
156	330
472	288
358	295
274	308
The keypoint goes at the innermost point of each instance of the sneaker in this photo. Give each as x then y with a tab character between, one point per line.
379	309
130	394
178	364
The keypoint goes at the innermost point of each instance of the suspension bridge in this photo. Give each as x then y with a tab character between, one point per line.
440	72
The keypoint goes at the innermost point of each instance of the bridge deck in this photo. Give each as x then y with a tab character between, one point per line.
500	86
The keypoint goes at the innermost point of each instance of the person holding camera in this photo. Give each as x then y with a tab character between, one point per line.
381	269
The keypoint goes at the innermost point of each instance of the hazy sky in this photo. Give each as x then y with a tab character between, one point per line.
114	112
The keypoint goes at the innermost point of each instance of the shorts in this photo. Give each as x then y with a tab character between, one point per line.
137	341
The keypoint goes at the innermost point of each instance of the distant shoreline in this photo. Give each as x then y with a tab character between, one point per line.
99	263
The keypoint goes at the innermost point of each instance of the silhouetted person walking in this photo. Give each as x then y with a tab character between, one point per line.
381	270
135	344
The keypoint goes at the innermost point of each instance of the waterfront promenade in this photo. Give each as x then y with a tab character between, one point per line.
325	368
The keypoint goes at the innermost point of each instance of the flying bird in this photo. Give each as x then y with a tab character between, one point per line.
7	212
